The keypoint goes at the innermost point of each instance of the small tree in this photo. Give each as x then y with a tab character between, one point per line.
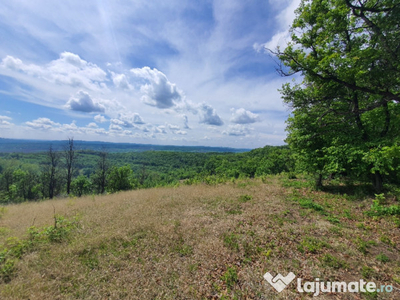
50	174
119	179
81	185
99	178
70	157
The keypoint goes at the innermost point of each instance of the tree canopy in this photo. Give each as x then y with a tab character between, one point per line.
345	112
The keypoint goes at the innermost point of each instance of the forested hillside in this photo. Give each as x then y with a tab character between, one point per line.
34	176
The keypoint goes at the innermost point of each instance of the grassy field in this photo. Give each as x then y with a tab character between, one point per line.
196	242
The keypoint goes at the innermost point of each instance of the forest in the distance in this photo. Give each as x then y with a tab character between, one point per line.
51	173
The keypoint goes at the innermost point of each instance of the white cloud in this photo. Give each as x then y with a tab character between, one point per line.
208	115
173	127
42	124
237	130
158	91
100	119
121	81
4	122
242	116
284	20
181	132
92	125
69	70
114	127
84	103
160	129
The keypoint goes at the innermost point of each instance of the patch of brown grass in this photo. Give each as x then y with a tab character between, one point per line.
196	242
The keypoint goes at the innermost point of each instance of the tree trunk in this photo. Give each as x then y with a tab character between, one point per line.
377	182
318	181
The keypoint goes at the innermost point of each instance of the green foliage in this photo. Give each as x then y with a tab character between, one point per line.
230	277
312	245
345	112
308	203
382	258
81	185
14	248
231	241
56	233
380	210
333	262
363	246
26	176
245	198
120	179
367	272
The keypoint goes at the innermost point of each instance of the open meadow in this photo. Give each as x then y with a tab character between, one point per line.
195	242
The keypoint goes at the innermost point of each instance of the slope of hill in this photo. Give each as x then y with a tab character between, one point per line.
194	242
32	146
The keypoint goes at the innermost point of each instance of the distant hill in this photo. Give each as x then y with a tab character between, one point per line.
32	146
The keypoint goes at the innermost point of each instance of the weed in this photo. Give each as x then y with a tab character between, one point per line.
385	239
234	211
3	210
230	277
88	257
380	198
312	245
57	233
382	258
379	210
348	214
396	221
231	241
333	219
245	198
363	246
371	295
333	262
4	230
367	272
336	230
184	249
307	203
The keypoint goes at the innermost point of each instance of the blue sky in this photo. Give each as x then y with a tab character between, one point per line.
158	72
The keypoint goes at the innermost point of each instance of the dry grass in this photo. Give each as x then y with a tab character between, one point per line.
198	242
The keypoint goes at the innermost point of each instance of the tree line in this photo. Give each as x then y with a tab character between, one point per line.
30	177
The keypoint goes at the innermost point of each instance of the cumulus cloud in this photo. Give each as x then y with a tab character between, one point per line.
4	122
242	116
173	127
92	125
128	120
42	124
100	119
158	90
236	130
208	115
121	81
160	129
68	70
115	127
83	102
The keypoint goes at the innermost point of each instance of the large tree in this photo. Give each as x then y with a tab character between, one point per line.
345	112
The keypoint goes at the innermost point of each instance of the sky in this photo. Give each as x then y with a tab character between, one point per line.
153	72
